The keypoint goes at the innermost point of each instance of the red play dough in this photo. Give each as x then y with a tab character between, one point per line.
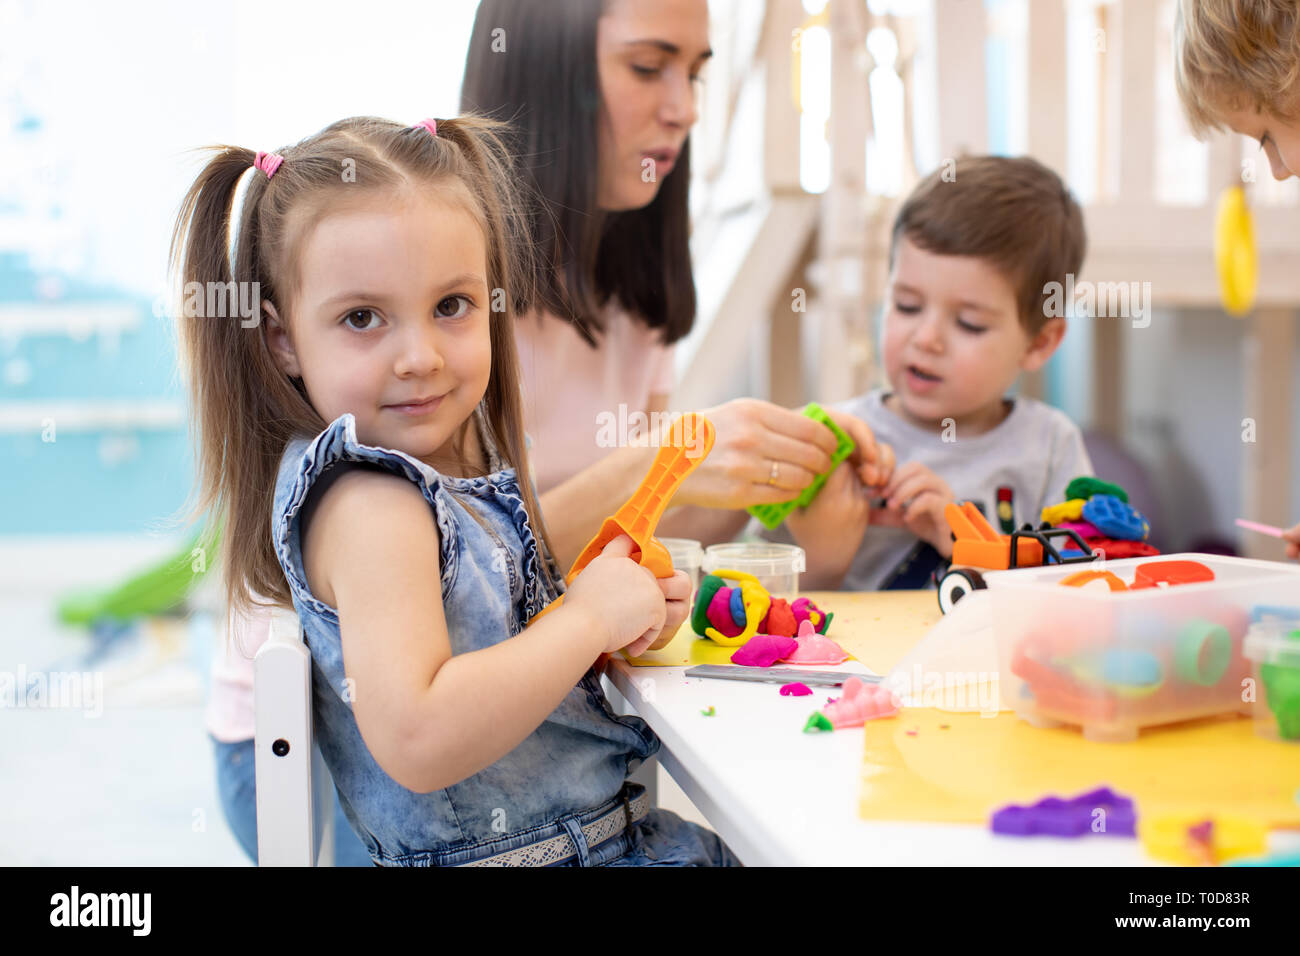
1121	549
780	619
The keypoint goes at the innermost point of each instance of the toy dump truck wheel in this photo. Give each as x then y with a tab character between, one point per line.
956	584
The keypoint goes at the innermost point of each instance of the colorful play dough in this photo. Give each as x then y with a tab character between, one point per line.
1084	529
732	615
1086	486
1115	518
795	689
1070	510
764	650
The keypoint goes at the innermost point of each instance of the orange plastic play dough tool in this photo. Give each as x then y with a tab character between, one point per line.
1079	578
687	443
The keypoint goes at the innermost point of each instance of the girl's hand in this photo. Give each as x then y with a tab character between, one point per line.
1292	539
915	498
677	593
763	454
620	598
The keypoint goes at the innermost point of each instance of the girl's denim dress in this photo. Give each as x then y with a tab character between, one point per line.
569	772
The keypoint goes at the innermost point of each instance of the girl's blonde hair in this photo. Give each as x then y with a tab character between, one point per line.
1232	54
244	408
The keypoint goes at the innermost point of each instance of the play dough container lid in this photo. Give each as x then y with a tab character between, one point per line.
1273	647
777	566
1112	662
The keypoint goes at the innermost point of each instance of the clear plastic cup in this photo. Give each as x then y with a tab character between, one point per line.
1273	648
687	556
777	566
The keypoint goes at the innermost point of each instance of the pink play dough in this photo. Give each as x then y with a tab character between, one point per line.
764	650
859	703
796	689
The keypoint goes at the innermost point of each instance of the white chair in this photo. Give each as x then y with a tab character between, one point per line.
295	794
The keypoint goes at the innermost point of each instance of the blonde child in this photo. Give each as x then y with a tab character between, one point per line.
1237	64
362	444
973	258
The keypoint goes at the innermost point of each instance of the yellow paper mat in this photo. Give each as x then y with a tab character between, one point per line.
875	627
962	774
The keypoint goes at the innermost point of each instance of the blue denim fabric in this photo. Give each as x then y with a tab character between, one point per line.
237	786
568	770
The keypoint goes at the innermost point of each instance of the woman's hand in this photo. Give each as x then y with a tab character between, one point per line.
1292	539
621	598
915	498
763	454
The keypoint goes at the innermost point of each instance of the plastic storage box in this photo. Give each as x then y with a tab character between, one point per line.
1273	649
1115	662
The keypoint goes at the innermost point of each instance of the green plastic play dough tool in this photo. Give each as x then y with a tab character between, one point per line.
773	515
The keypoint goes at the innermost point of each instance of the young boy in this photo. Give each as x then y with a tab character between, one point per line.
1237	64
972	262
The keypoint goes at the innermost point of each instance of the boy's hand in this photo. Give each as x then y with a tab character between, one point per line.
1292	539
915	498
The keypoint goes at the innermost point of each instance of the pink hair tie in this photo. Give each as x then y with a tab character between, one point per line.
268	163
430	124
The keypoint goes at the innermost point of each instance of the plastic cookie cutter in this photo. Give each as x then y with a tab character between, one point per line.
772	515
687	444
1098	811
1154	573
1083	578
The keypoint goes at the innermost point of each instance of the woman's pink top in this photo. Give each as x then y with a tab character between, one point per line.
582	402
579	404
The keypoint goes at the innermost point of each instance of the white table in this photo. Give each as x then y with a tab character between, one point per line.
780	797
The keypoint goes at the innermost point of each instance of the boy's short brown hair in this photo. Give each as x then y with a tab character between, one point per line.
1013	212
1234	54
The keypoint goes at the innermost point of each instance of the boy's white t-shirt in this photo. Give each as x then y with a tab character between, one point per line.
1011	472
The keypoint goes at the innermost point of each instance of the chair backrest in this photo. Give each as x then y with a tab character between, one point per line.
294	788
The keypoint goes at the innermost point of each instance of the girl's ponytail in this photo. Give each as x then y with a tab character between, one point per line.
242	405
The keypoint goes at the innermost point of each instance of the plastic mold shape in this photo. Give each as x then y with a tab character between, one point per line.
687	444
772	515
815	649
859	703
1098	811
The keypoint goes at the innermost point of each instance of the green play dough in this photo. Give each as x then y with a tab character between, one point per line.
1086	486
700	616
817	722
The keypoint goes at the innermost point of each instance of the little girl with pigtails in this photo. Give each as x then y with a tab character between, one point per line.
362	448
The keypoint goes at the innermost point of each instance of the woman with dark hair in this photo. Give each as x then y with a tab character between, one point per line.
601	96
